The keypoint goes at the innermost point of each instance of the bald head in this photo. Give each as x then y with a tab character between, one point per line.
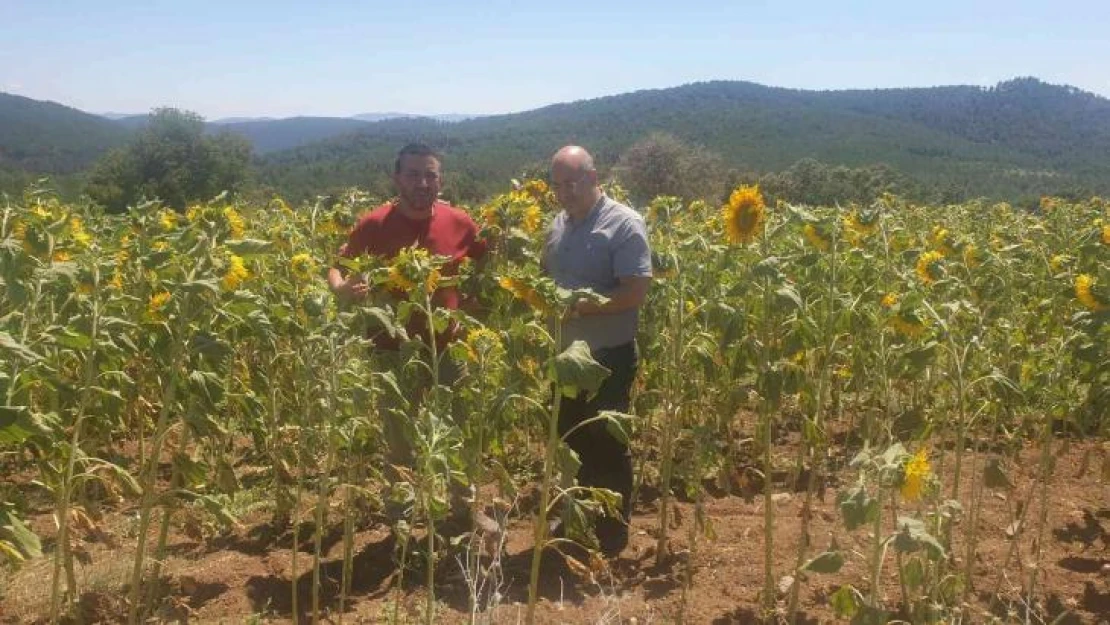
574	180
573	157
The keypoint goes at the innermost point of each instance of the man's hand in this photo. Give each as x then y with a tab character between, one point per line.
353	289
348	289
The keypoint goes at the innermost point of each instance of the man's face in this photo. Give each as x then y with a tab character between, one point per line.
418	181
572	186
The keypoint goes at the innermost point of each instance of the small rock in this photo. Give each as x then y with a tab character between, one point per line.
781	498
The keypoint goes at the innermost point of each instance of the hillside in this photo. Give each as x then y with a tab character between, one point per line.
1018	139
46	137
1022	136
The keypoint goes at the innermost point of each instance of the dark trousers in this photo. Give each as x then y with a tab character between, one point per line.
606	461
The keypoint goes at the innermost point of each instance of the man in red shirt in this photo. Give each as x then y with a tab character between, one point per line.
416	216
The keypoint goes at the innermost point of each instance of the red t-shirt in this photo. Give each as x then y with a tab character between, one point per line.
449	232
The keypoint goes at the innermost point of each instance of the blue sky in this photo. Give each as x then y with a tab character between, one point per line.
282	58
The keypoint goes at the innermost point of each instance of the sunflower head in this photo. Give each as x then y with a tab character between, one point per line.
235	273
1086	294
302	265
1105	237
929	267
915	476
744	215
818	236
235	225
890	300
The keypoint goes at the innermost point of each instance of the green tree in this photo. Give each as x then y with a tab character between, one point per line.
173	160
662	164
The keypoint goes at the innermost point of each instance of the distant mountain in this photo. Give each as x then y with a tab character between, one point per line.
282	134
1021	136
446	117
240	120
50	138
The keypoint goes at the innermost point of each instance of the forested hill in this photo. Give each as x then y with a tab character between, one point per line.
1022	136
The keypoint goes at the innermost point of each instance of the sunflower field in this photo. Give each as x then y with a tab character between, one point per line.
868	414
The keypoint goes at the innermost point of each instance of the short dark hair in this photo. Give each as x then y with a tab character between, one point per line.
415	149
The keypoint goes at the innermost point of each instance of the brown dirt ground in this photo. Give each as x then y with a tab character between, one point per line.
247	574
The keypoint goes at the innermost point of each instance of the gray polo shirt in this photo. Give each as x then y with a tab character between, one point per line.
610	243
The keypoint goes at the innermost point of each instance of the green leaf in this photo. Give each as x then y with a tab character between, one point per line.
9	344
249	247
615	424
18	423
857	507
576	368
193	472
845	601
788	297
211	287
912	536
70	338
16	534
827	562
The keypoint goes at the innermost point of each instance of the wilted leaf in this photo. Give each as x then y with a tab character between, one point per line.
576	368
827	562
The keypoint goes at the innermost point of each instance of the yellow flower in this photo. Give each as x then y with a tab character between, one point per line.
1105	235
117	280
397	280
157	302
431	283
522	292
77	230
928	266
160	246
482	341
971	257
860	224
816	237
234	222
691	307
236	273
1083	292
168	220
744	215
61	256
911	328
531	220
1057	262
302	265
890	300
916	474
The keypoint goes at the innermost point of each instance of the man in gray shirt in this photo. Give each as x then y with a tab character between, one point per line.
600	244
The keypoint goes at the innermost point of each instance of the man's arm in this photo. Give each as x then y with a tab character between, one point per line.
630	293
347	289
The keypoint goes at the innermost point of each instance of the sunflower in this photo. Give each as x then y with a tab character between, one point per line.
168	220
916	474
890	300
1084	284
77	230
744	215
431	283
482	341
302	265
1105	238
236	273
928	267
972	258
908	326
235	223
531	220
397	280
157	302
862	224
1056	263
522	291
816	236
61	256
